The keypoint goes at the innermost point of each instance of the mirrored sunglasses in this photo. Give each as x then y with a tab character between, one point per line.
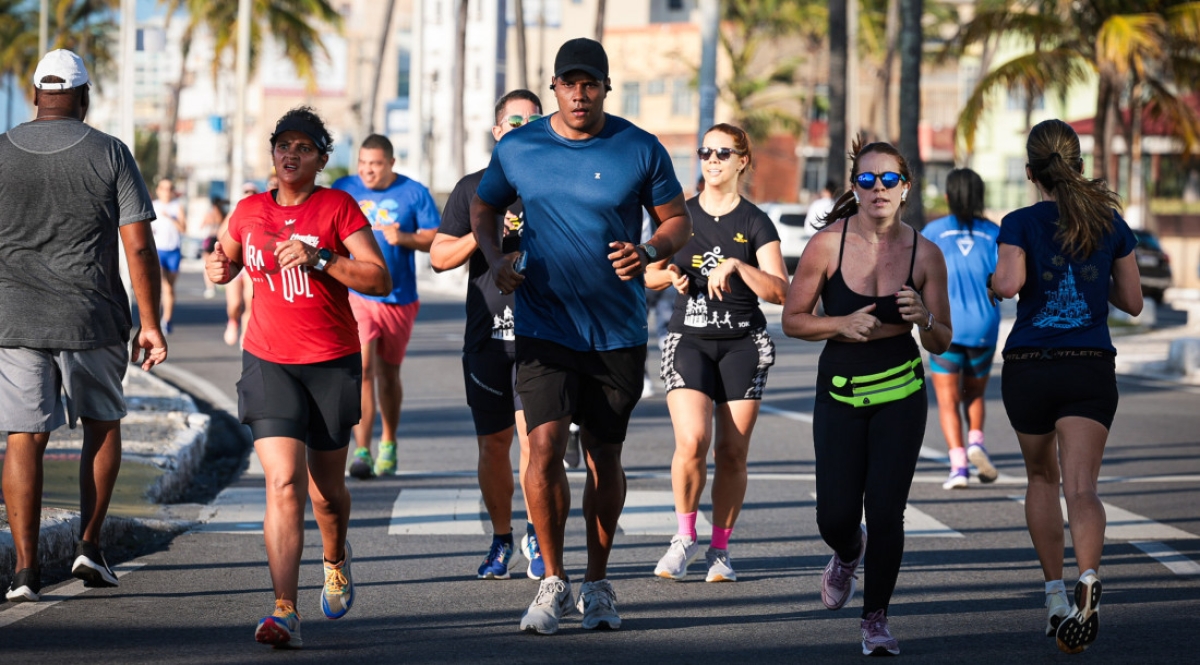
722	153
889	179
517	120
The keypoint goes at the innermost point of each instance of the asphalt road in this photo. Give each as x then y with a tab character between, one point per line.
970	588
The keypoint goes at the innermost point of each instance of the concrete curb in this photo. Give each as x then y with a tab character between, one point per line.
149	399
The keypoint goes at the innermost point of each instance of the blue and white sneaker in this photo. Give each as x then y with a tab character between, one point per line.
495	565
338	593
529	547
281	629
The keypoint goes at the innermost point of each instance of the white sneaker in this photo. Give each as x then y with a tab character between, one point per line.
598	604
682	552
979	457
1057	609
959	479
720	568
553	602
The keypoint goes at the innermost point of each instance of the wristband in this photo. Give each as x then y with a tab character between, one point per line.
928	323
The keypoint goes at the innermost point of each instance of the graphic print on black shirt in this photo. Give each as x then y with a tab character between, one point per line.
490	323
739	234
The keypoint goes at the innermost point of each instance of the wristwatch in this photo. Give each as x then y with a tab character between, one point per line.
651	252
928	323
324	256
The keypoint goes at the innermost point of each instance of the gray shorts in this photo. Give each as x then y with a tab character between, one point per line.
33	379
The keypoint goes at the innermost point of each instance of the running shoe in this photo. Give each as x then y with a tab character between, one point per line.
958	479
385	464
495	564
91	567
362	466
720	568
979	457
531	550
338	593
281	629
1079	629
838	580
877	639
1057	609
210	293
573	458
598	605
26	586
552	603
682	552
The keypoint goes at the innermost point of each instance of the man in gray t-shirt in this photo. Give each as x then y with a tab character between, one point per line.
67	192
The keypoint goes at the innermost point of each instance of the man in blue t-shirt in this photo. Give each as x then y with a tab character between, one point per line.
405	220
584	178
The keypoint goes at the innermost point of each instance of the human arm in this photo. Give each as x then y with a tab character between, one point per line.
487	237
768	281
448	252
366	272
929	308
1009	277
1125	290
799	319
672	228
661	274
419	241
146	279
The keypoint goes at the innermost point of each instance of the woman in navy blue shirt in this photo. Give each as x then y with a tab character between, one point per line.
1068	257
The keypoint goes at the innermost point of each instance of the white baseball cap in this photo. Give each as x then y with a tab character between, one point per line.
65	65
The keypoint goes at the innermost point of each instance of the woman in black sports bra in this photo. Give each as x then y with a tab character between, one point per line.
876	278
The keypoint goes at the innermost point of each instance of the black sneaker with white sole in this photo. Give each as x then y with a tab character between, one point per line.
26	586
91	567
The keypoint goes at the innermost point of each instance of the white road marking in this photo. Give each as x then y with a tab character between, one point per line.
438	511
18	611
800	416
919	524
237	510
652	513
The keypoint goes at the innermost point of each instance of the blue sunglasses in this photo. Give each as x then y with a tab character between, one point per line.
889	179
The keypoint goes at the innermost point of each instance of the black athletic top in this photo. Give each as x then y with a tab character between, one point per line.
839	300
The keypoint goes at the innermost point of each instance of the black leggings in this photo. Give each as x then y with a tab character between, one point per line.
866	456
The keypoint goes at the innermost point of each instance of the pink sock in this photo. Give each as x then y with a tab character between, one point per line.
720	538
958	458
975	437
687	524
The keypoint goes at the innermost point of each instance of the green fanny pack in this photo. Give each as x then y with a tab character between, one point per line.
879	388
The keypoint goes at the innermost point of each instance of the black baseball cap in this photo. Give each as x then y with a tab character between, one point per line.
582	54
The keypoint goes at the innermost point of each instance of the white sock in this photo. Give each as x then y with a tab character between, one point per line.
1087	572
1055	586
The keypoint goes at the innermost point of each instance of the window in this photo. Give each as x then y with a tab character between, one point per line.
681	98
656	87
631	99
675	5
1016	169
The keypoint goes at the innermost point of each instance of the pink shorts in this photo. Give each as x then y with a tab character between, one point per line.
391	325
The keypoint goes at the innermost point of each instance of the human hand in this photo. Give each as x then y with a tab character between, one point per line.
718	279
217	266
505	273
626	260
392	233
150	340
912	306
678	279
993	297
858	326
295	253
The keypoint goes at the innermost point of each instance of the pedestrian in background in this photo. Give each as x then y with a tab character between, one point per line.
210	226
489	348
960	375
169	225
67	192
304	247
716	357
405	220
877	278
1069	257
584	177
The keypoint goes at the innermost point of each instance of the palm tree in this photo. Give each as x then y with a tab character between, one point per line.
295	24
911	40
839	44
84	26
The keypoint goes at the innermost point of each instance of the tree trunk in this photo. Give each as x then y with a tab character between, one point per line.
166	138
910	106
522	52
1135	212
373	93
837	91
1101	135
457	132
891	36
600	20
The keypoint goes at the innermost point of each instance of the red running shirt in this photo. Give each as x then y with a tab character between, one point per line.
300	315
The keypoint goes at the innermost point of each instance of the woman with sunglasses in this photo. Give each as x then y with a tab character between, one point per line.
877	278
717	353
1069	256
303	246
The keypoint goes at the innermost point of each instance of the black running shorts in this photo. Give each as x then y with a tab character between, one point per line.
489	378
724	369
318	403
1039	392
598	388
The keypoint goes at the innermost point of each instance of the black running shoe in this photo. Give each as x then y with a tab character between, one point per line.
26	586
91	567
1079	629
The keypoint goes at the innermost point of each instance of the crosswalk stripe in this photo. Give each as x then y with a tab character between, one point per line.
919	524
652	513
237	510
438	511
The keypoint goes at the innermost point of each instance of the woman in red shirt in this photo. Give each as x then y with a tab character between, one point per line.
301	370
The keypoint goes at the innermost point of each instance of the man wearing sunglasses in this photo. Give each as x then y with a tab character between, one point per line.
584	178
404	219
489	348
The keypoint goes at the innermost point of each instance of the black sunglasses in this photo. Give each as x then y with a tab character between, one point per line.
517	121
722	153
889	179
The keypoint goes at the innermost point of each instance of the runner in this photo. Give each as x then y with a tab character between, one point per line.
717	369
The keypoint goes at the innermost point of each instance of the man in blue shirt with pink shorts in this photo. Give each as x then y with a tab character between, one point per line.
405	220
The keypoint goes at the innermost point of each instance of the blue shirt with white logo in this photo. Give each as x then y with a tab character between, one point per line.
407	203
579	196
970	257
